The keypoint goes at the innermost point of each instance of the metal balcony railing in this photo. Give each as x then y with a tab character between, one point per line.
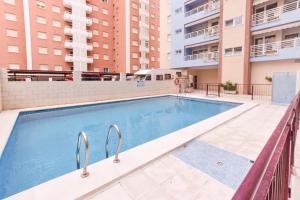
274	14
207	57
269	49
208	7
207	32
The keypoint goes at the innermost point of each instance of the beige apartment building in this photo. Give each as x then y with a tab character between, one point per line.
240	41
80	35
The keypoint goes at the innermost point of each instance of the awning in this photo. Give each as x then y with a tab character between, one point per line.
143	72
256	2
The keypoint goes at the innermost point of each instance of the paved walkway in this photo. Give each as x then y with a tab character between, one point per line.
173	177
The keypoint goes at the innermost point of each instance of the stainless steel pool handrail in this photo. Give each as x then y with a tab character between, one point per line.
120	140
83	136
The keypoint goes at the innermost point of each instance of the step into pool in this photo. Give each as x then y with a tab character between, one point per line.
42	144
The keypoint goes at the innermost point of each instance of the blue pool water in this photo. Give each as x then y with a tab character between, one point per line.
43	143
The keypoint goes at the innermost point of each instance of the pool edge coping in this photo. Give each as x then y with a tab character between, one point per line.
105	172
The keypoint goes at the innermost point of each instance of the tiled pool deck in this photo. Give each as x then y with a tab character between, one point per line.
179	175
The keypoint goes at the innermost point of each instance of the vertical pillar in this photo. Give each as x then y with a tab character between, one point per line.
27	26
77	76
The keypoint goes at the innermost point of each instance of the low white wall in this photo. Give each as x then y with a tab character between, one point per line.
16	95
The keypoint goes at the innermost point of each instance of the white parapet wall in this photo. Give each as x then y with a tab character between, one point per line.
17	94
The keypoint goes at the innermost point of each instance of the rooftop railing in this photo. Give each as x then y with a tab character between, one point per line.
270	175
274	14
207	32
208	7
207	57
269	49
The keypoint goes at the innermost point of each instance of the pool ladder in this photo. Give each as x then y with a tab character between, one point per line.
83	136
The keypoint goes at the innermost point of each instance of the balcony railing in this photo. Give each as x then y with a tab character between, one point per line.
207	57
208	7
274	14
207	32
270	175
269	49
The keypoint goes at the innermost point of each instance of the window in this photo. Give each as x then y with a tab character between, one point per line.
13	66
106	70
228	51
58	68
234	22
56	23
55	9
105	34
235	51
135	43
13	49
105	57
178	51
135	55
11	2
57	52
105	46
178	10
43	50
134	18
104	11
95	44
105	1
95	20
44	67
229	23
95	8
134	5
96	70
96	56
134	30
177	31
41	20
11	33
57	38
40	4
42	35
10	17
95	32
105	23
238	50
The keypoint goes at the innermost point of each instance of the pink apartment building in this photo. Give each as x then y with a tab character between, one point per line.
80	35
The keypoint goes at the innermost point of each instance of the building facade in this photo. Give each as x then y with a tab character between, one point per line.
80	35
165	34
244	42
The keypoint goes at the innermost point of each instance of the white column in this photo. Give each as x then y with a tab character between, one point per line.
27	33
128	45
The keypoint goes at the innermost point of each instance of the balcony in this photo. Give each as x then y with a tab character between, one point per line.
69	44
206	10
286	14
203	35
201	60
90	47
89	60
68	16
89	8
69	58
68	31
67	3
89	21
281	50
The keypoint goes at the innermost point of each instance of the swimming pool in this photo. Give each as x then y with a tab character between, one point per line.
43	143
